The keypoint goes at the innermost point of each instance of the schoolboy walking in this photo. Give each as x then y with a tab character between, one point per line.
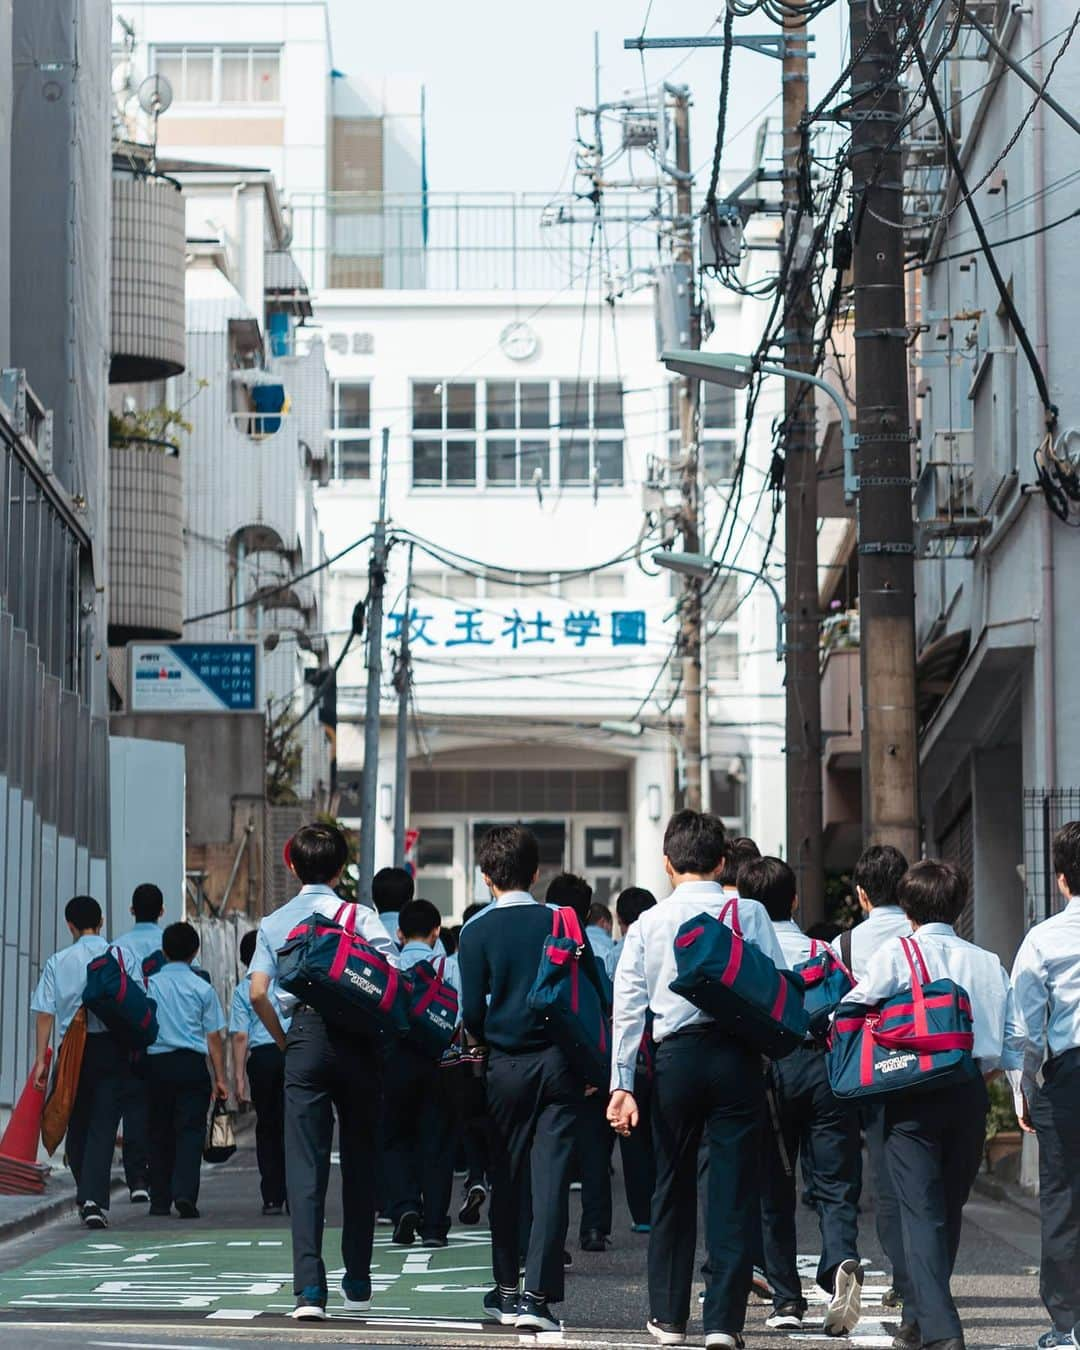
419	1121
326	1070
191	1025
534	1095
1046	983
139	942
91	1132
638	1161
259	1069
804	1117
934	1138
704	1081
391	890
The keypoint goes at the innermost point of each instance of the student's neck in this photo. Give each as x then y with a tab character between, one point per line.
681	878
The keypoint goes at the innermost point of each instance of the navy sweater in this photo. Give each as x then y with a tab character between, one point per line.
498	954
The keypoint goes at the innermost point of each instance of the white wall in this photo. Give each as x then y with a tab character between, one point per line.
146	798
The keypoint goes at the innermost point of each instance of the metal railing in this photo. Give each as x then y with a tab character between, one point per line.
469	241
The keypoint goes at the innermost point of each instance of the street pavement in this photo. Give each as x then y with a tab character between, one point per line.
156	1284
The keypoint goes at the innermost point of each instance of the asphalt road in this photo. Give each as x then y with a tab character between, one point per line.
153	1284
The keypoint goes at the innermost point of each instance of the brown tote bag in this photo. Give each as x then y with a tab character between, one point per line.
65	1084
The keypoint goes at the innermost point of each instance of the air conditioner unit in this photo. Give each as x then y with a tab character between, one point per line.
945	487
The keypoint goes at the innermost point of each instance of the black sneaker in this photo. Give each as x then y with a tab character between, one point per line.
139	1195
187	1209
473	1204
435	1240
666	1333
907	1337
592	1240
535	1315
160	1211
501	1305
93	1215
891	1298
405	1229
788	1317
310	1305
272	1211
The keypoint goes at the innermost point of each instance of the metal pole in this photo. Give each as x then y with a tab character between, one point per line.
802	747
370	781
884	521
690	507
403	684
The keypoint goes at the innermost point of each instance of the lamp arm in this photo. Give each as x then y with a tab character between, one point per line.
849	439
760	576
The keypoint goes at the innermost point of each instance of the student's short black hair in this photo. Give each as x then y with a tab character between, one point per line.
450	937
771	882
932	891
471	911
1066	851
739	849
247	946
418	919
597	914
632	904
509	856
824	931
391	889
179	942
878	872
83	913
571	890
318	853
694	842
147	903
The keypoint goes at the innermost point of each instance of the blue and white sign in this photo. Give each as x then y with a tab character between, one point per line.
531	628
181	677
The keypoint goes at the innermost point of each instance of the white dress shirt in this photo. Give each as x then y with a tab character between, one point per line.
793	941
999	1035
647	968
276	927
882	923
1046	984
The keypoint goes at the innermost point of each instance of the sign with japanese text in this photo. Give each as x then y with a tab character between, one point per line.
181	677
535	628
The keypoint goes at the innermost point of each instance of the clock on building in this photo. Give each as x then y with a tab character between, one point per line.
518	341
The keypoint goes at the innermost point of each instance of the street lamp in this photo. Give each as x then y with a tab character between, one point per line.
701	567
735	372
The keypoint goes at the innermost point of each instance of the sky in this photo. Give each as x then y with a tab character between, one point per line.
503	77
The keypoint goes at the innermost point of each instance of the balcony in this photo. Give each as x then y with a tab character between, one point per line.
146	543
945	506
147	278
841	760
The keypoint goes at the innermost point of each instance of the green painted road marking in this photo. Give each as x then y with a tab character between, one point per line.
218	1275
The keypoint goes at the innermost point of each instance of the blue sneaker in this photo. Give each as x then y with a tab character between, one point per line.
1052	1338
641	1228
310	1305
356	1295
501	1305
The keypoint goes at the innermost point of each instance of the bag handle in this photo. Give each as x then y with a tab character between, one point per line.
349	923
732	908
567	925
919	976
813	948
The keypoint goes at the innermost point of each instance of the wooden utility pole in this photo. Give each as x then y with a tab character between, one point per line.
403	687
885	532
690	483
802	748
369	789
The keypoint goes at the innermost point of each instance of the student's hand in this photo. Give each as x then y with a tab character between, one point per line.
221	1089
243	1092
1024	1116
41	1074
622	1112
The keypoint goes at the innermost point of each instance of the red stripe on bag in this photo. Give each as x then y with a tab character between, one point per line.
574	991
387	1000
603	1036
781	999
846	1025
866	1056
688	939
734	961
558	956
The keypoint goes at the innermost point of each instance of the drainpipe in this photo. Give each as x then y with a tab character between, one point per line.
1042	349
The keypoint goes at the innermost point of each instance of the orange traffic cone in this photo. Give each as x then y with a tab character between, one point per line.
20	1171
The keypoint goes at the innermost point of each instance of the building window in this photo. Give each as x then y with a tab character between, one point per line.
447	459
590	407
221	74
445	585
716	433
512	406
350	434
722	655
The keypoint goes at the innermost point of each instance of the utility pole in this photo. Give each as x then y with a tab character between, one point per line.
884	523
802	748
403	685
370	782
690	485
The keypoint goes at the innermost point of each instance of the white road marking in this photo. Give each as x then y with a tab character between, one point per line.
234	1315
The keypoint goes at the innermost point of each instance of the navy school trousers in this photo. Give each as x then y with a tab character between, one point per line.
707	1083
1055	1113
328	1071
419	1137
535	1101
91	1132
803	1117
933	1148
266	1077
179	1093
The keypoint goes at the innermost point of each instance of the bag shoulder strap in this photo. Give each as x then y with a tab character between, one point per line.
813	948
567	925
732	908
845	947
346	916
917	965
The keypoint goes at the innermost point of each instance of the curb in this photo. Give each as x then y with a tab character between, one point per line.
49	1210
1006	1195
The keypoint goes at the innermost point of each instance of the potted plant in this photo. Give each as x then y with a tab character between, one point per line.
1003	1137
149	429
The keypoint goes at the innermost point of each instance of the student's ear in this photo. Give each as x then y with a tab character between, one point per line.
1063	887
400	938
863	900
795	906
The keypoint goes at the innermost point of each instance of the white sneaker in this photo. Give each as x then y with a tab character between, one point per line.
845	1309
666	1333
723	1340
308	1312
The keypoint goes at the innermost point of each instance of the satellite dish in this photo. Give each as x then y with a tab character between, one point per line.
155	95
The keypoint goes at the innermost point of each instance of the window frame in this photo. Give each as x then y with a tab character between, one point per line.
217	50
340	436
712	439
